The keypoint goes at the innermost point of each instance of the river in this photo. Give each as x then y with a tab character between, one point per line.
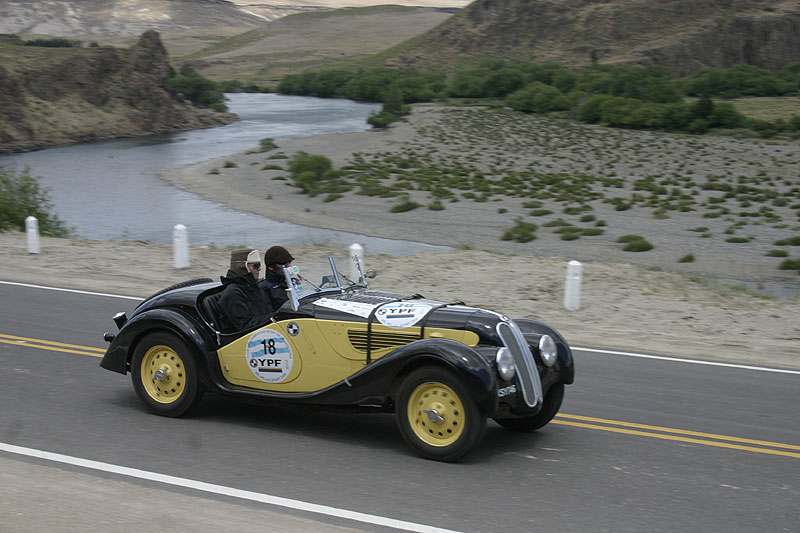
110	190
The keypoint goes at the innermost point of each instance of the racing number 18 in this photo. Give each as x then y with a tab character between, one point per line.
269	347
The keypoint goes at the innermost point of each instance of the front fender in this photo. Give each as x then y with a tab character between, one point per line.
119	353
565	364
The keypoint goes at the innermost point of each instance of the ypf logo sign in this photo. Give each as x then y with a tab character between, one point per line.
269	356
401	315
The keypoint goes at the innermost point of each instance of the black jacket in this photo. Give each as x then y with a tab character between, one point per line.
275	286
243	304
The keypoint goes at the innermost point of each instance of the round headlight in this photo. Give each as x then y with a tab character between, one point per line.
505	364
548	350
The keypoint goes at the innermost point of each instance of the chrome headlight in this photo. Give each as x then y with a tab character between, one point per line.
548	350
505	364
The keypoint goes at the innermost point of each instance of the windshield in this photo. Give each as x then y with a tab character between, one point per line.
319	275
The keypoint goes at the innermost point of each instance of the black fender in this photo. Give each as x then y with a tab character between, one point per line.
565	365
119	353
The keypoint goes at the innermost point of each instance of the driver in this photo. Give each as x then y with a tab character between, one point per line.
274	283
244	305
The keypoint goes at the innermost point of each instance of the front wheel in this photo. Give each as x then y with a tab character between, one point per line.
437	416
552	403
164	375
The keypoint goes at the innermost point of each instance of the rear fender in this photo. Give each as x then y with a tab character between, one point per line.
120	352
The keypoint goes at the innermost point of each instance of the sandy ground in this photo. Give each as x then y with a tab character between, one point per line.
622	305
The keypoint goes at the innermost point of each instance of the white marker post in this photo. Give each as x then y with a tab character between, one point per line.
180	246
356	253
572	289
32	230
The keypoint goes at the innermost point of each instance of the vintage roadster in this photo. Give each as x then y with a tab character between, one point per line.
442	368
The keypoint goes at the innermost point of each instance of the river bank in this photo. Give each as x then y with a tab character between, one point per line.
719	235
623	306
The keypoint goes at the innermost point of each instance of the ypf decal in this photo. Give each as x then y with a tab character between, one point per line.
269	356
401	315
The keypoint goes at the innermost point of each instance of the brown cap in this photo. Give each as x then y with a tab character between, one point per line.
239	260
277	255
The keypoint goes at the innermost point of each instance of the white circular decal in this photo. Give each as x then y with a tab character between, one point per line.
399	315
269	356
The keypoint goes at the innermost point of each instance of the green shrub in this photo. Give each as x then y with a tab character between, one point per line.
640	245
539	212
738	240
436	205
21	196
589	232
630	238
521	232
790	264
214	171
791	241
271	167
699	229
777	253
230	164
310	171
532	204
404	204
587	218
570	236
267	144
688	258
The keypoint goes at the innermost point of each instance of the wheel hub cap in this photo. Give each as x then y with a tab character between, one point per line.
436	414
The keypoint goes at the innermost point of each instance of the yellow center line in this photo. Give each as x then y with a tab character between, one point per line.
681	431
676	438
51	345
562	418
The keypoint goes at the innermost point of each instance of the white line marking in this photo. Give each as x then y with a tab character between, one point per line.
222	490
76	291
578	348
691	361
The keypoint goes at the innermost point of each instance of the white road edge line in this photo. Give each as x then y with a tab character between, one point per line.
76	291
690	361
578	348
222	490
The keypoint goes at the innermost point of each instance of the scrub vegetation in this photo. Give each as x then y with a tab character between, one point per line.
22	196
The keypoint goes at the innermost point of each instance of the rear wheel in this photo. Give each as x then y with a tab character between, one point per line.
552	403
164	375
437	416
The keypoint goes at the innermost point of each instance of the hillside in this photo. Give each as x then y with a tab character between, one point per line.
61	95
327	39
683	35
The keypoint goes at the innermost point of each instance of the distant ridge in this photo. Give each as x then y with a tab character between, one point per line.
684	35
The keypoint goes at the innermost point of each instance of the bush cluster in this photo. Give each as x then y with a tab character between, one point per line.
199	90
22	196
620	96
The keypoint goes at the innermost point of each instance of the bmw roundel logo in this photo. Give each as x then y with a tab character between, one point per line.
293	329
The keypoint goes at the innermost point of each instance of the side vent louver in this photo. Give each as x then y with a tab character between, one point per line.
380	340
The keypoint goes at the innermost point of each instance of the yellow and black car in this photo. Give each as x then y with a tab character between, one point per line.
442	368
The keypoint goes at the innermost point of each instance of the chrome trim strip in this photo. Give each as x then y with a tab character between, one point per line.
527	371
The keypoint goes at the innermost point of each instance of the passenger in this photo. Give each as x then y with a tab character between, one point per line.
243	303
274	283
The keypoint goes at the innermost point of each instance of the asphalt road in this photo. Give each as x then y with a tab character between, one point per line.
640	444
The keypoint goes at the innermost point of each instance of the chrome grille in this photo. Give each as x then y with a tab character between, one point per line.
380	340
527	372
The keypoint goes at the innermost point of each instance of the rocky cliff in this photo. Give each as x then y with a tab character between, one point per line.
684	35
60	95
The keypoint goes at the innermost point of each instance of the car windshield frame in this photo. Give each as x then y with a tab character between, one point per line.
300	287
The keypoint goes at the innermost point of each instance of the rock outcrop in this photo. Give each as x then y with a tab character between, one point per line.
683	35
60	95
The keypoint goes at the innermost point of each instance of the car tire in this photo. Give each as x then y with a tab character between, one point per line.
164	375
431	393
552	403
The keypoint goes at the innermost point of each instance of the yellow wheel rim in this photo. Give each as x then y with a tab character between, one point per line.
436	414
163	374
